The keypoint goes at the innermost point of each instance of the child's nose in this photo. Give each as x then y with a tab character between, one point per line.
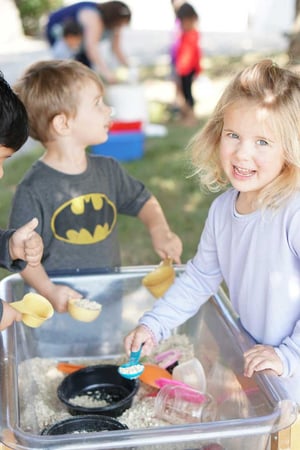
244	149
112	111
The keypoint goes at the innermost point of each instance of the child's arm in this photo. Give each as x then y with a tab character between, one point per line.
164	241
8	315
57	294
261	357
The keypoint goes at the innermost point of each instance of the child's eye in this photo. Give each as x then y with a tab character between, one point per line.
233	135
262	142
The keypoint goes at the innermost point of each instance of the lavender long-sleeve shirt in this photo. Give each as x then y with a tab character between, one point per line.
258	256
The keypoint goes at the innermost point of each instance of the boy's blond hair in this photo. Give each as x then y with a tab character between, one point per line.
49	88
275	90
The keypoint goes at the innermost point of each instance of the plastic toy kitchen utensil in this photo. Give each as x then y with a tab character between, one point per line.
68	368
168	359
97	389
182	404
159	280
35	309
84	309
152	372
133	368
192	373
84	424
161	382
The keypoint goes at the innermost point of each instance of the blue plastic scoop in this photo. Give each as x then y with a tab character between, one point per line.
132	369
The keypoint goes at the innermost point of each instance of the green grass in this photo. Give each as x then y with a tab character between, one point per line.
164	170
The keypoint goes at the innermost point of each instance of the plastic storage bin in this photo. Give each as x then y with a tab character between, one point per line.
218	340
125	142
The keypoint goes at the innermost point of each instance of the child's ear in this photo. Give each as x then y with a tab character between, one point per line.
60	124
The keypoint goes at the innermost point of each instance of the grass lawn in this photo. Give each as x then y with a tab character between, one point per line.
165	169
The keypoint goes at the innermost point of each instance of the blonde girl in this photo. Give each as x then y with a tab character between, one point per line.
251	148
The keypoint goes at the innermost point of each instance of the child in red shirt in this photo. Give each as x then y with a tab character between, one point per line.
188	58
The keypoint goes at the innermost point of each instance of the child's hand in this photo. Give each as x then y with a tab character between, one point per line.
9	316
140	335
262	357
26	244
60	295
167	244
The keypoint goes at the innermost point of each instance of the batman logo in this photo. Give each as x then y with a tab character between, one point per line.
86	219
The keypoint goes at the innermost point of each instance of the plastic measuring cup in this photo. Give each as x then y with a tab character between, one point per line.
35	309
192	373
182	404
160	279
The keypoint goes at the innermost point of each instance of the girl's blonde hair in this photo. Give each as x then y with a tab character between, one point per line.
49	88
274	89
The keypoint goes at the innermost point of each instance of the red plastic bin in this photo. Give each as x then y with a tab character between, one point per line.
126	126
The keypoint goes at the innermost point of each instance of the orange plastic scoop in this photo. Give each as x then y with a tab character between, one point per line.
68	367
152	372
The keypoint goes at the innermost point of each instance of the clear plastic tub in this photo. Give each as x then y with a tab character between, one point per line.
247	412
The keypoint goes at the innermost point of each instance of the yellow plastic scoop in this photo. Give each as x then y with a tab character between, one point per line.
83	309
159	280
35	309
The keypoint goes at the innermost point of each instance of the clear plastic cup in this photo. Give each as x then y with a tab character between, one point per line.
192	373
182	404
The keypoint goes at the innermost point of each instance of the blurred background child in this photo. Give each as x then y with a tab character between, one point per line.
187	59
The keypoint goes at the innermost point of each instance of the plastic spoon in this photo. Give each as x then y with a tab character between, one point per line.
132	369
35	309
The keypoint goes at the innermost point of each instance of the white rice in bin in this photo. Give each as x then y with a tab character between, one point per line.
41	405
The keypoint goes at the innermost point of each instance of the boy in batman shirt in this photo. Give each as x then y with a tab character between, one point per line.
77	196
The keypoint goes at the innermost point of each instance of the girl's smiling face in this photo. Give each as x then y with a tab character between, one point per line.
250	153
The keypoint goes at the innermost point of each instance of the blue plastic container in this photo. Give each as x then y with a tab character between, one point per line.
124	146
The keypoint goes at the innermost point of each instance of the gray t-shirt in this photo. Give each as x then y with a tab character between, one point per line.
78	213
